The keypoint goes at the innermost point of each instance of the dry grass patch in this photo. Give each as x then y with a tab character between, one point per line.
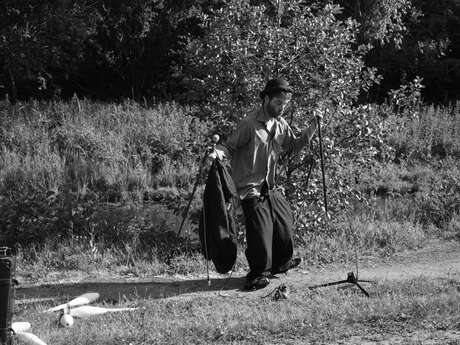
320	316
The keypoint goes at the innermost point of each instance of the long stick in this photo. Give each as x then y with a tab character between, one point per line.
322	163
197	181
205	242
215	139
309	173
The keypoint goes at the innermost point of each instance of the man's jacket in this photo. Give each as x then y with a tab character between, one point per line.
217	219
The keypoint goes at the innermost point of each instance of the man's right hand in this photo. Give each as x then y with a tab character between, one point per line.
210	159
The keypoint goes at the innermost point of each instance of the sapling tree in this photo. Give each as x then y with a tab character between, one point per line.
246	45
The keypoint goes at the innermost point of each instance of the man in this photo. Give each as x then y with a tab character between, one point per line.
254	148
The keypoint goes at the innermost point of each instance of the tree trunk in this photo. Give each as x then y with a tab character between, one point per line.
13	89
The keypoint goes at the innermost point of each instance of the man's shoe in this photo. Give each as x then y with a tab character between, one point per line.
256	283
293	263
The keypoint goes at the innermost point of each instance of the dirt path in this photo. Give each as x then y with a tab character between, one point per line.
438	260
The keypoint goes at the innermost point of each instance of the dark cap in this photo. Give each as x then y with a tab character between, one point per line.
276	85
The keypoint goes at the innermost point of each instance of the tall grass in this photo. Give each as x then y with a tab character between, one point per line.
128	147
431	133
62	162
99	146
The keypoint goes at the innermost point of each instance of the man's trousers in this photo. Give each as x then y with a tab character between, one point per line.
269	222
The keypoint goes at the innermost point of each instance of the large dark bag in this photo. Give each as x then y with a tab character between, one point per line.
218	215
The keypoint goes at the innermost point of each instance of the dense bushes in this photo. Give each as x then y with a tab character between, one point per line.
104	49
118	49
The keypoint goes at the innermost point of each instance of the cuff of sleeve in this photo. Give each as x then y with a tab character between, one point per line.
223	152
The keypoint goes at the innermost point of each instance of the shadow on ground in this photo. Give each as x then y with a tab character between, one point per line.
113	292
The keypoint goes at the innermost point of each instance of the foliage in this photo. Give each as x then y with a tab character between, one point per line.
381	21
41	43
356	139
244	46
34	217
430	50
132	47
98	49
386	155
118	49
439	203
58	160
408	96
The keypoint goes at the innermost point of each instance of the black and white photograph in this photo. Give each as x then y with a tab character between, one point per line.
254	172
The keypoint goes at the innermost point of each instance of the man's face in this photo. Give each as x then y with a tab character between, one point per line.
277	104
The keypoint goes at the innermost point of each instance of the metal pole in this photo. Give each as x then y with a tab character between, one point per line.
322	163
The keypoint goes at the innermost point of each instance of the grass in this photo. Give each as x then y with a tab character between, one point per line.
76	177
432	134
395	311
88	173
86	257
363	236
119	146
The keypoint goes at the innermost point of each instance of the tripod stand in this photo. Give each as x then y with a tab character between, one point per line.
351	278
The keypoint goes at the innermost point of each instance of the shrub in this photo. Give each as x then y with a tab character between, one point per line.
408	97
